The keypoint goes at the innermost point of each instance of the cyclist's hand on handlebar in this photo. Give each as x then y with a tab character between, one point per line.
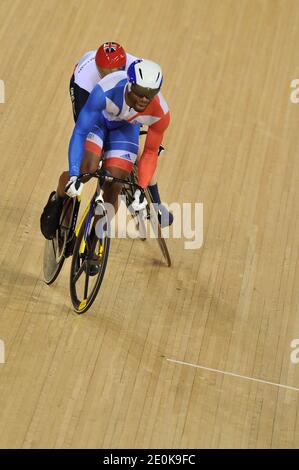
139	202
73	188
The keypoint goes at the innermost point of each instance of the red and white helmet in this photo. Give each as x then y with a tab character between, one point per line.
111	55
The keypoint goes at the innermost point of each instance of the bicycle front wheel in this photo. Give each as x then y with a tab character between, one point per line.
88	266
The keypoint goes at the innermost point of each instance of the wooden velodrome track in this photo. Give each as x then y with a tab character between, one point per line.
107	378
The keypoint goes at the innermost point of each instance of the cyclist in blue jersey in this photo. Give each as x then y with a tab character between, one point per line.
112	90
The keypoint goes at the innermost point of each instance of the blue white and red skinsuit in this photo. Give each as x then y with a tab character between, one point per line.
107	123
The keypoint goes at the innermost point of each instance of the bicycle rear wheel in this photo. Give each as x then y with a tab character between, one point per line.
90	253
153	216
54	251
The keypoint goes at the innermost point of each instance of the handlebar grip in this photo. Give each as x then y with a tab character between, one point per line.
105	177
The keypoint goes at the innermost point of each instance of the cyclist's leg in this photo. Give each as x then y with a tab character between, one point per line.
165	217
115	159
93	148
120	153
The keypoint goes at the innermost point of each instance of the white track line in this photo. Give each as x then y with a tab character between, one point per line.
232	375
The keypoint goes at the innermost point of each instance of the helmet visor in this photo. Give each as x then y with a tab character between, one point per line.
142	92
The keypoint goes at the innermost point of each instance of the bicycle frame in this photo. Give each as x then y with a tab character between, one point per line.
102	176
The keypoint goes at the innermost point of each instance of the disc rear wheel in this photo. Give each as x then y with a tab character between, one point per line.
54	251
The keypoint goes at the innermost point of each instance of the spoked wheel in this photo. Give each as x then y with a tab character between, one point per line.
153	216
89	262
54	251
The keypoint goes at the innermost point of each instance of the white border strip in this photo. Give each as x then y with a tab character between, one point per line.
232	375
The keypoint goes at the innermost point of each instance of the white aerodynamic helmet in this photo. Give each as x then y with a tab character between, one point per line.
146	74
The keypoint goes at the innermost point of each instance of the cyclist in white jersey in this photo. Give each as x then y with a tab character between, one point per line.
92	67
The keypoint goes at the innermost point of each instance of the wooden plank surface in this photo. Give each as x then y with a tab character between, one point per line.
104	379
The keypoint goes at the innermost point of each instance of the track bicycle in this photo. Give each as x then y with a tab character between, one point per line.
89	252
